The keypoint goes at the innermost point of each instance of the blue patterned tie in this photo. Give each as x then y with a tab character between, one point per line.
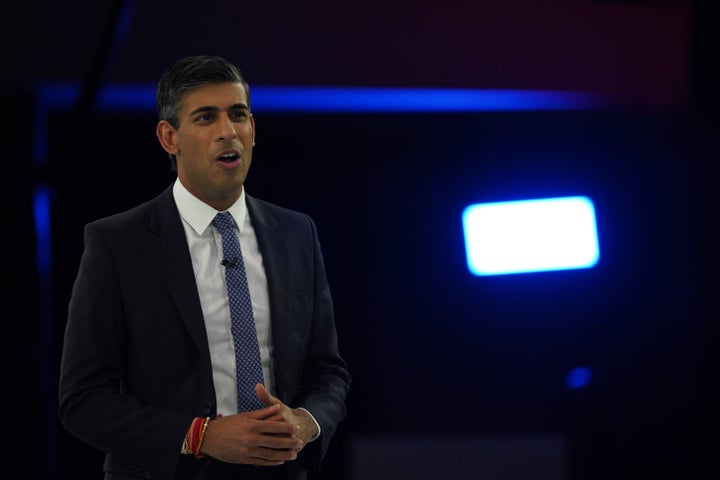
248	367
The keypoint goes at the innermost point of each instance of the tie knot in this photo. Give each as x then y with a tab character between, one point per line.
223	222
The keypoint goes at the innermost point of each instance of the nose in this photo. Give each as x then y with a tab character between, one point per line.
226	128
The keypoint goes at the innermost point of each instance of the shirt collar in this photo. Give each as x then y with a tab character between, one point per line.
199	214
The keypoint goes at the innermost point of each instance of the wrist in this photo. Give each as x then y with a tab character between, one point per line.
194	437
310	425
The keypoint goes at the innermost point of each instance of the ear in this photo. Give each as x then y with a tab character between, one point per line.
252	125
166	134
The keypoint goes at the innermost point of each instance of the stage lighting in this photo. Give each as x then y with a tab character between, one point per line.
530	235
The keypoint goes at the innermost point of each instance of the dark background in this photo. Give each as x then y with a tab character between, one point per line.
434	351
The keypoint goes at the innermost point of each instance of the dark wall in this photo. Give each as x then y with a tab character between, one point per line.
432	348
637	51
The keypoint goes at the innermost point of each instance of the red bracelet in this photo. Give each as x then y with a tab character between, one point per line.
194	436
201	436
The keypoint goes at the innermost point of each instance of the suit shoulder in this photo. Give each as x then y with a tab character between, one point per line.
139	214
278	211
122	219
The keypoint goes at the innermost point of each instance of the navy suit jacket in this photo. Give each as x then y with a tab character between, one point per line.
136	363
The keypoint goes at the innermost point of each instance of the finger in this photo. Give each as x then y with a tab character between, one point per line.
263	413
280	444
279	417
264	395
272	456
276	428
264	463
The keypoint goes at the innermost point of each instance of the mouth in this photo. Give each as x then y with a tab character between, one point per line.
229	158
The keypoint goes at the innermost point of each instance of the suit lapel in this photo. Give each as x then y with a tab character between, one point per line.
170	248
274	250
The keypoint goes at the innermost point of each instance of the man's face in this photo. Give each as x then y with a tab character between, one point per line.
213	142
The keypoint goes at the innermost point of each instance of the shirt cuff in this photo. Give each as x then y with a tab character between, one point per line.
316	424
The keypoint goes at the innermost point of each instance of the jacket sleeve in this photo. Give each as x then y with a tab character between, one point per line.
96	402
326	379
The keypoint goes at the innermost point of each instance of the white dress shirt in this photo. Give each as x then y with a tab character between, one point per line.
205	245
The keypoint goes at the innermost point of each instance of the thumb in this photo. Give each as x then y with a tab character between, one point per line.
264	395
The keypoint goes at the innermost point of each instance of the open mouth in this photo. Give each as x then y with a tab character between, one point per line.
229	157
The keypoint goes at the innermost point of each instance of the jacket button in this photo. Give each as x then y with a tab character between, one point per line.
207	410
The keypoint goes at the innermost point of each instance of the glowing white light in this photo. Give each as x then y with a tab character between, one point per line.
530	235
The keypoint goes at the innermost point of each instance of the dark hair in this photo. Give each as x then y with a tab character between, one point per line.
186	75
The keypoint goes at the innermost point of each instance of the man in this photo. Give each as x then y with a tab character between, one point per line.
152	369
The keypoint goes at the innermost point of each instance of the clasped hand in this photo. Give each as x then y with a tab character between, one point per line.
268	436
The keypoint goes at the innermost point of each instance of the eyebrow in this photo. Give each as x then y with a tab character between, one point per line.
237	106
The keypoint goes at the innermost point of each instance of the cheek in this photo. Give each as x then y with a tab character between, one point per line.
191	145
248	132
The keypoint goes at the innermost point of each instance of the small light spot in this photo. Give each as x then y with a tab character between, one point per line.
579	377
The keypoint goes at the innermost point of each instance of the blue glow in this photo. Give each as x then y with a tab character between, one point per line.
120	98
368	99
141	97
579	377
530	236
41	215
124	20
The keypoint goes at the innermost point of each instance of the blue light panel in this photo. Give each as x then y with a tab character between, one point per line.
530	236
380	99
299	99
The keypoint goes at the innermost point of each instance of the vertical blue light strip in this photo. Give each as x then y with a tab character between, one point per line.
43	248
41	214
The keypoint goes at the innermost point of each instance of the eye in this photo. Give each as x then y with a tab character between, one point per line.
204	118
238	115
